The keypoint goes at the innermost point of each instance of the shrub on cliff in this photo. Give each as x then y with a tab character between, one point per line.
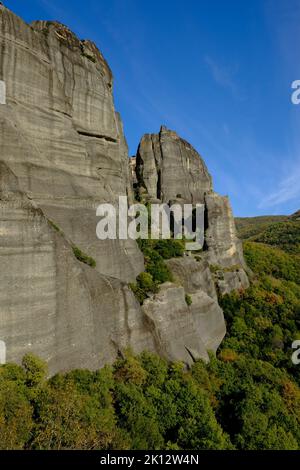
154	262
169	248
83	257
144	285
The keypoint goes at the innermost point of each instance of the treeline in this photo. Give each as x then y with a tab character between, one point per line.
234	402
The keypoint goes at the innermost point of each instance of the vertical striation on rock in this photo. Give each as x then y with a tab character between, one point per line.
62	145
61	136
62	153
170	170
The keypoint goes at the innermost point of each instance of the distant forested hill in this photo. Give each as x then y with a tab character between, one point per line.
278	231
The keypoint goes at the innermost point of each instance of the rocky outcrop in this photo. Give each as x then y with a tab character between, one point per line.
168	169
62	153
61	136
229	281
174	323
52	304
221	241
71	315
193	274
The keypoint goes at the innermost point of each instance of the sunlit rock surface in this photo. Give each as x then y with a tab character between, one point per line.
170	170
62	153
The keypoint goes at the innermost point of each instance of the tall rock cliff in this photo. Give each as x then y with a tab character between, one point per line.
62	153
170	170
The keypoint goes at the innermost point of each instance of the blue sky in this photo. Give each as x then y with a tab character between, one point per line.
218	72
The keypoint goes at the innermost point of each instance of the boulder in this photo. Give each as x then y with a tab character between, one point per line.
182	332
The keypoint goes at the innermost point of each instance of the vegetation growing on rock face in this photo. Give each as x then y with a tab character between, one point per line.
214	268
54	225
168	249
157	272
83	257
188	300
144	286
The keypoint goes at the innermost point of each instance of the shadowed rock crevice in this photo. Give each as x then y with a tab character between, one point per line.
97	136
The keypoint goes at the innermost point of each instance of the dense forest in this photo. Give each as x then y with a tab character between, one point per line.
247	397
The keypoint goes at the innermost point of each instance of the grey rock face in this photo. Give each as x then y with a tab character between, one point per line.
181	332
71	315
50	303
61	136
169	169
132	170
62	153
232	280
224	247
193	275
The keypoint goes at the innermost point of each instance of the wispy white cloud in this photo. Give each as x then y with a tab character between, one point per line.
225	76
288	190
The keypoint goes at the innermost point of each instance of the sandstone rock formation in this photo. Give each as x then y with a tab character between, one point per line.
61	135
62	152
170	170
194	275
174	324
50	303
